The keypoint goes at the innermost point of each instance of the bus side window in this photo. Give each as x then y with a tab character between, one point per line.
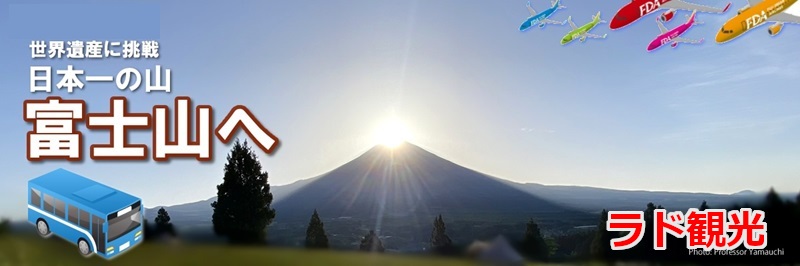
84	219
60	208
48	203
73	214
36	198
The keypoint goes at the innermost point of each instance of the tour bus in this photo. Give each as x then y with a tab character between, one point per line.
97	218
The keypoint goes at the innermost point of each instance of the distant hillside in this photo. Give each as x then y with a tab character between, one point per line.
198	214
595	199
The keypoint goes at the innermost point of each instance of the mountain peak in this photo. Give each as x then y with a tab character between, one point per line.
401	146
404	153
745	192
408	181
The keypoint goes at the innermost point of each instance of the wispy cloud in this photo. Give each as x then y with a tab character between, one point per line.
736	128
753	60
714	97
735	73
537	130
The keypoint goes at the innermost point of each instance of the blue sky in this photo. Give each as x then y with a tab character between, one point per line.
322	75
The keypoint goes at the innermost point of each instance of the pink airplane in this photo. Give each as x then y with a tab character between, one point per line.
673	36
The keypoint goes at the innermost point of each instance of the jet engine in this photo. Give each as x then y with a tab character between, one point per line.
746	7
667	16
674	44
775	29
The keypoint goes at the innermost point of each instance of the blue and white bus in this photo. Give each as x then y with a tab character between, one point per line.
97	218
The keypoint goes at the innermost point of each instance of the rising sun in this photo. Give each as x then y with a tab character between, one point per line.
391	133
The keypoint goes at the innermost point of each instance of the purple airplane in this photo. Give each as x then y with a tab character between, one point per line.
673	36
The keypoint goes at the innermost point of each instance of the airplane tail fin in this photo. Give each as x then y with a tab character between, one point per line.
557	3
597	17
691	19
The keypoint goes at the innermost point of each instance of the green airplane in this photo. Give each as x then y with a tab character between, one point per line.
582	32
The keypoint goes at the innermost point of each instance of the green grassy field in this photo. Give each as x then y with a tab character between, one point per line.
30	250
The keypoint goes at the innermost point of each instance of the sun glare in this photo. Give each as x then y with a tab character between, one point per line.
391	133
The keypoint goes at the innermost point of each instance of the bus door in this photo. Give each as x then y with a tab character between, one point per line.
97	233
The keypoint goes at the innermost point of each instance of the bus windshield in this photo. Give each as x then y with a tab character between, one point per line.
124	223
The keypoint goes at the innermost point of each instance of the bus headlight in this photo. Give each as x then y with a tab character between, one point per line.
109	250
138	234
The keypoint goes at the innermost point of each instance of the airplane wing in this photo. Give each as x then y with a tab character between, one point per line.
550	21
683	5
572	24
595	36
793	10
684	40
661	26
530	9
786	18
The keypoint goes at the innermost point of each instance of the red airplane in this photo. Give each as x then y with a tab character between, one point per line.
637	9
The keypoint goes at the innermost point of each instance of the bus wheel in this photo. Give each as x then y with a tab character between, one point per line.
42	228
83	247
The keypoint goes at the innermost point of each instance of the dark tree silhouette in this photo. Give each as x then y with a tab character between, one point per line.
797	200
315	234
782	219
703	206
149	231
163	224
5	226
163	217
601	244
533	243
773	199
574	245
242	210
371	242
440	242
644	250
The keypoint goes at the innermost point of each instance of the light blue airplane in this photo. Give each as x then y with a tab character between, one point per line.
542	18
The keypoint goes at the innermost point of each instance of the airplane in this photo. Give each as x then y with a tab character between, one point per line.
541	18
673	36
582	32
756	13
637	9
